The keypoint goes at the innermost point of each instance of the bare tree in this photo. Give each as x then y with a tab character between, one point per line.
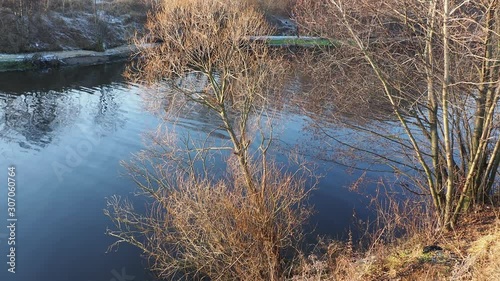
435	64
246	224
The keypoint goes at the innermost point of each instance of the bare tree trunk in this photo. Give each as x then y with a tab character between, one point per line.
432	108
450	182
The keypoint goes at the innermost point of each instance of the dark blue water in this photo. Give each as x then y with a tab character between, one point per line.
65	132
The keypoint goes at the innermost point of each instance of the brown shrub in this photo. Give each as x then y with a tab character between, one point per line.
246	223
200	228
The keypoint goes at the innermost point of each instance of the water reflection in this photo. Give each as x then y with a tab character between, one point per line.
28	120
37	107
66	132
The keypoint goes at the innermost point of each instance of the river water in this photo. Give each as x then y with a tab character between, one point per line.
65	132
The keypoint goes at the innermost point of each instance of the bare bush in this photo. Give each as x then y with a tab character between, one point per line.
245	223
199	228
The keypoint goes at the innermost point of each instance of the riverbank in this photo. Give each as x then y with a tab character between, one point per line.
46	60
50	34
79	25
469	252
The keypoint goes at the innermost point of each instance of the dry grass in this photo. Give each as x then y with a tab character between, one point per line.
470	252
479	246
393	247
279	7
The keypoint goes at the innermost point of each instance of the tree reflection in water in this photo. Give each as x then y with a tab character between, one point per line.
35	106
